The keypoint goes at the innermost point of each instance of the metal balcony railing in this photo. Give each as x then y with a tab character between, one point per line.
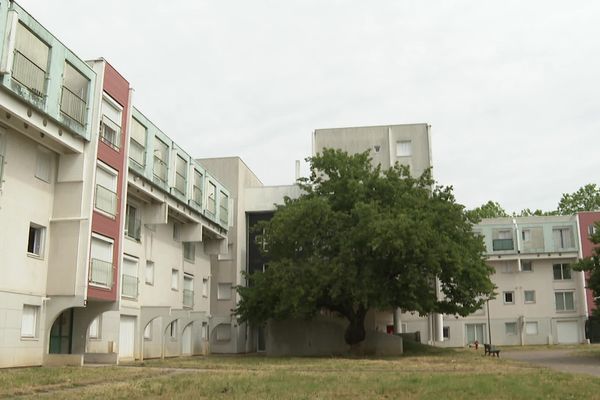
211	206
137	154
502	244
28	74
106	200
159	169
133	228
223	217
188	298
73	106
101	273
197	195
129	286
110	133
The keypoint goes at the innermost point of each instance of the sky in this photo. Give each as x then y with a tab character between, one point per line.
510	88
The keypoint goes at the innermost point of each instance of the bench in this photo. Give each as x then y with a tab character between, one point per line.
489	350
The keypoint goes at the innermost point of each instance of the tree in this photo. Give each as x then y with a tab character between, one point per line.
360	238
592	265
587	198
491	209
527	212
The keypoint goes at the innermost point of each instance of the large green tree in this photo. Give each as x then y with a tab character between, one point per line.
586	198
592	265
491	209
360	238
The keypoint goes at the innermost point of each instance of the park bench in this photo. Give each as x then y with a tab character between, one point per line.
491	350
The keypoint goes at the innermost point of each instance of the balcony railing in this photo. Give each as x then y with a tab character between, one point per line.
197	195
28	74
101	273
106	200
188	298
73	106
110	133
137	154
211	206
223	215
129	286
502	244
133	228
160	169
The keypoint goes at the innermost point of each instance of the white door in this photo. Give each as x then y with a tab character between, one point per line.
475	332
186	341
567	332
126	336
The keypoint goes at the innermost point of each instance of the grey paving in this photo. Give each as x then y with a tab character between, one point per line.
560	360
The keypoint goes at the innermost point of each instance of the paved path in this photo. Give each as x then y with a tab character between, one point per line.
561	360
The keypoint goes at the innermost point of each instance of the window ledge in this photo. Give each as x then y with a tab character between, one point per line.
35	256
29	339
105	214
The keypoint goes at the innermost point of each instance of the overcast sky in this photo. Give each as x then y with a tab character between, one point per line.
511	88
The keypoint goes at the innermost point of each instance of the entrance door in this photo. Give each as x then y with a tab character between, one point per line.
126	336
61	334
567	332
475	332
186	341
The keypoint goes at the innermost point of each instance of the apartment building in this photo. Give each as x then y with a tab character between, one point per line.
587	227
540	299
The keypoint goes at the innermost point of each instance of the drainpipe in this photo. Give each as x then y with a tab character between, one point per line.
521	322
516	229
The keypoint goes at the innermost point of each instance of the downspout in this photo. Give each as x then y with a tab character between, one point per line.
517	234
582	274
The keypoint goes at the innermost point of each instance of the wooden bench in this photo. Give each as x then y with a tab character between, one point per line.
490	350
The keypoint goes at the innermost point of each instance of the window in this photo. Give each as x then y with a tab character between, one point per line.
148	331
149	273
527	266
531	328
180	174
106	190
173	330
503	240
43	165
110	126
197	189
176	231
211	207
30	62
526	235
563	238
94	329
224	291
510	328
133	223
188	290
263	240
223	208
101	268
74	94
564	301
205	287
189	251
174	279
204	331
223	332
29	321
129	278
137	144
446	332
529	296
592	229
35	243
404	148
509	297
561	271
159	168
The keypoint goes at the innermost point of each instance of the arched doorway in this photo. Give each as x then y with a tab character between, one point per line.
61	333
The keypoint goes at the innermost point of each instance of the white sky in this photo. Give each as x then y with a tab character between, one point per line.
511	88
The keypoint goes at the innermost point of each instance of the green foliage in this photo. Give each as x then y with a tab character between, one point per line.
491	209
362	238
587	198
527	212
592	265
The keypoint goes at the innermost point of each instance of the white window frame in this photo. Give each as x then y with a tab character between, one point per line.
146	269
33	312
512	331
525	297
111	242
528	331
563	267
39	240
189	248
174	279
530	263
224	288
563	293
404	148
115	174
512	295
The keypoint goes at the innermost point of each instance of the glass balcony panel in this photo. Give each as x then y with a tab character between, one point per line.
137	154
73	106
188	298
106	200
160	169
502	244
129	286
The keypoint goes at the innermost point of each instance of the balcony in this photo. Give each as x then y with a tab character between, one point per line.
180	183
101	273
110	133
188	298
197	195
129	286
28	74
502	244
73	106
223	217
137	154
133	228
106	200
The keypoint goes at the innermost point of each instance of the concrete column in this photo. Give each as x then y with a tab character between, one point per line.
397	321
438	328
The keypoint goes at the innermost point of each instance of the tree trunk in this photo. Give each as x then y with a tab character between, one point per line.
355	332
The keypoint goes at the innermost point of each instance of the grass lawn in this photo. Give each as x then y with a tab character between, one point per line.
423	373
